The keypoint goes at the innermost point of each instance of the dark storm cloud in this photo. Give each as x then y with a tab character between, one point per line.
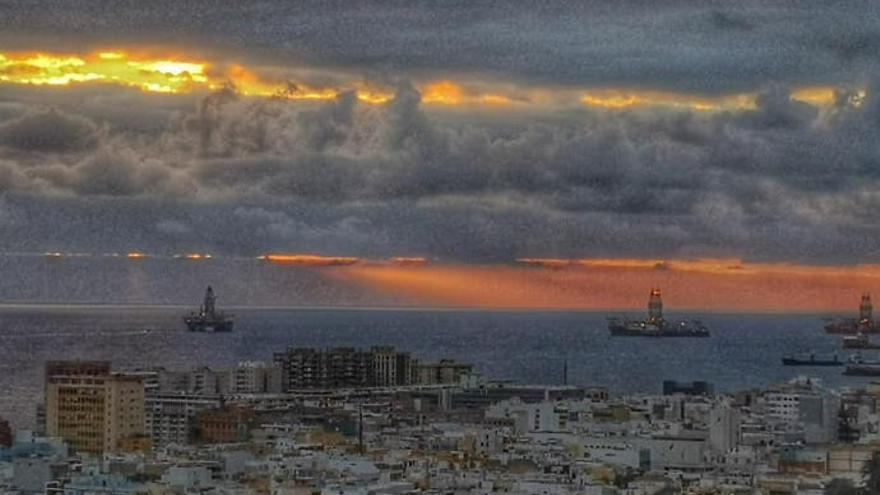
693	46
115	175
49	131
245	176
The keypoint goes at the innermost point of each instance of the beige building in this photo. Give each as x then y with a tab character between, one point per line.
390	368
91	408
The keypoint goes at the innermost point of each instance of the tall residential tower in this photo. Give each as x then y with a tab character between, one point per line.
91	408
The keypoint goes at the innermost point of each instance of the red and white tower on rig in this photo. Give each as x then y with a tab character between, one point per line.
866	311
655	307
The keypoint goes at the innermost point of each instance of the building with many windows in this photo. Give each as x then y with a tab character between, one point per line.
443	372
91	407
337	367
390	368
172	418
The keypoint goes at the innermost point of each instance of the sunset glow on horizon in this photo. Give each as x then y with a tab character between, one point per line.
308	259
182	73
716	285
713	284
616	99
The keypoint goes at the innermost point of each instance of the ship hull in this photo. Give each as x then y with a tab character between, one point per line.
847	331
208	326
853	331
850	329
625	332
809	362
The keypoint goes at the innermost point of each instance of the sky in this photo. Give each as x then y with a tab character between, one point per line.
705	146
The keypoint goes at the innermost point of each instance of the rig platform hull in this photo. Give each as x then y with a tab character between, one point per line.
790	361
627	332
208	326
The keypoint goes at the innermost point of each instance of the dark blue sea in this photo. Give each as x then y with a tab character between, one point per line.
744	350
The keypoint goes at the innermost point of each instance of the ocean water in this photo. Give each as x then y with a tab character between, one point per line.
744	350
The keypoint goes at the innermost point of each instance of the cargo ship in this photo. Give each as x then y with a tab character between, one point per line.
852	326
811	361
655	325
208	319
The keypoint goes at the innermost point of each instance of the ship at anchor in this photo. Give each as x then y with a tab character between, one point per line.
208	318
864	324
656	325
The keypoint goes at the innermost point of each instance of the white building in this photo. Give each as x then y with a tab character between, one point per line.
255	377
169	418
724	427
802	406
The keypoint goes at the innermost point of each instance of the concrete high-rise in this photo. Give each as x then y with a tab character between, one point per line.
390	368
336	367
724	427
343	367
92	408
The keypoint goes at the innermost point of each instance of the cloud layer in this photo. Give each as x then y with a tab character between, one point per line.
678	45
240	174
88	167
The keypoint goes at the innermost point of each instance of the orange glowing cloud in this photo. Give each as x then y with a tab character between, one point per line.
160	75
308	259
172	74
545	262
193	256
442	92
609	283
450	93
728	266
179	72
617	99
408	261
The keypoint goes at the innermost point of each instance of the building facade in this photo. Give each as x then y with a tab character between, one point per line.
227	424
171	418
343	367
443	372
390	368
253	377
92	408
